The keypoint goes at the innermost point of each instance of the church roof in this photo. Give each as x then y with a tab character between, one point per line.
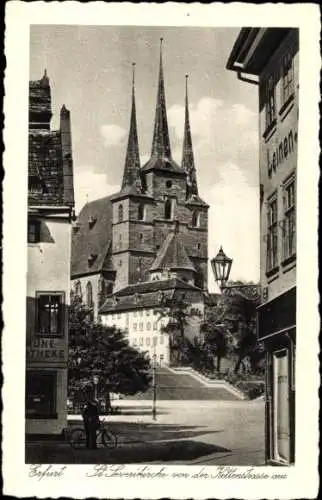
146	294
161	157
188	163
92	240
132	159
172	255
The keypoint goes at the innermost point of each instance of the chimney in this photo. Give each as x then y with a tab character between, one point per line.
66	144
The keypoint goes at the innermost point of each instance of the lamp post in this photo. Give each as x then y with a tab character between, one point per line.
154	383
221	266
95	381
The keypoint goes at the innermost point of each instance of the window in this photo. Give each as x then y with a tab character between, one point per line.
148	340
289	225
141	237
41	394
287	76
155	341
141	341
161	358
270	104
272	234
148	326
33	231
89	294
120	241
141	327
135	314
120	213
50	314
141	211
120	263
168	184
141	312
78	289
147	312
155	326
162	339
119	316
168	209
135	327
195	218
134	341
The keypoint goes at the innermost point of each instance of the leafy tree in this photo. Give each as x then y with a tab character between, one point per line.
238	326
95	349
177	311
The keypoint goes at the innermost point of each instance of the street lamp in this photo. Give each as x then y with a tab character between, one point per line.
221	266
95	381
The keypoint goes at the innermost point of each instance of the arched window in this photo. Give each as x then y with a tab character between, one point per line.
78	289
89	294
120	241
168	209
101	286
195	218
121	213
141	211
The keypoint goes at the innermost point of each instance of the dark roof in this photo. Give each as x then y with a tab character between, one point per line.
254	47
147	294
134	190
40	102
132	159
166	164
93	238
154	286
45	163
172	255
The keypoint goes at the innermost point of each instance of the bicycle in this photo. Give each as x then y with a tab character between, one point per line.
105	437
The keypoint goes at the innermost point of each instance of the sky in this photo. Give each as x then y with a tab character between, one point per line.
90	71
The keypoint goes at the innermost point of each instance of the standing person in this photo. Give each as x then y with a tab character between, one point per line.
91	423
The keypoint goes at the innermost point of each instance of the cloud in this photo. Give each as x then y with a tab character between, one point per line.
144	158
90	186
221	132
234	222
113	135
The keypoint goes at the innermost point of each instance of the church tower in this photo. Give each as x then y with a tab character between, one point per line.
132	231
196	240
160	224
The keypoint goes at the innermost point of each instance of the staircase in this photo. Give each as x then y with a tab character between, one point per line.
186	384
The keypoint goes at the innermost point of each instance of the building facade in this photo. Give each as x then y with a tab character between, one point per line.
50	211
154	229
269	57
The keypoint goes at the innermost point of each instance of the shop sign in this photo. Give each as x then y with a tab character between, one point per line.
283	150
45	350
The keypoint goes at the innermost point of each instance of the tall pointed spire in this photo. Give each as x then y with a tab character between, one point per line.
132	159
161	142
188	163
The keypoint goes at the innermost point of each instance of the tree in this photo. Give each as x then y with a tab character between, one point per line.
95	349
177	311
230	330
217	336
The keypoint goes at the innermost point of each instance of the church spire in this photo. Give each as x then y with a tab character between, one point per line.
161	142
132	159
188	163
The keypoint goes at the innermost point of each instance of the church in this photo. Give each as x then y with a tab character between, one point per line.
149	241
